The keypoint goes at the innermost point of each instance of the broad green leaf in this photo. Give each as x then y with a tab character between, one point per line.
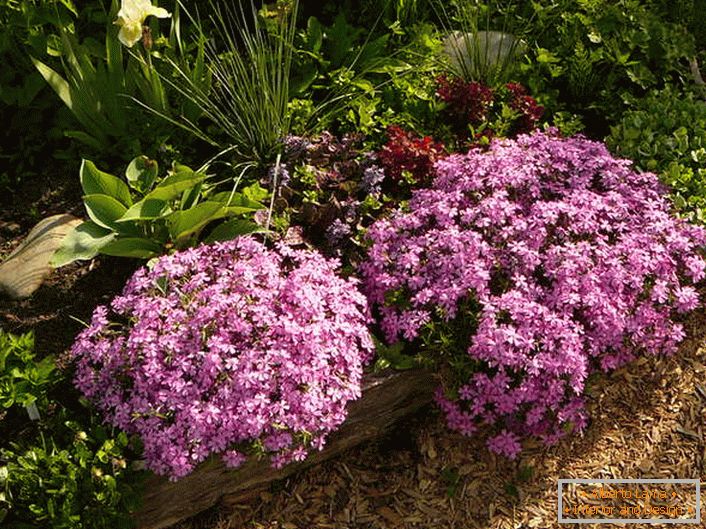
104	210
232	229
84	242
314	34
146	209
174	185
141	173
256	192
179	168
240	210
307	74
236	203
95	182
182	224
190	197
133	247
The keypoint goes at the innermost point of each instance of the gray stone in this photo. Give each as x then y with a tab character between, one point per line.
476	52
27	267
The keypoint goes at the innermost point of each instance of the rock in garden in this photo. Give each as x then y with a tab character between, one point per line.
475	52
27	267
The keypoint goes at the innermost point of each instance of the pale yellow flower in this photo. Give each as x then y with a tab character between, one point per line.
132	16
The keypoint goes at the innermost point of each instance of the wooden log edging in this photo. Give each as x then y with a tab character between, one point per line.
386	398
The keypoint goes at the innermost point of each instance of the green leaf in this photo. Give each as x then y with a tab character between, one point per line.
146	209
240	210
182	224
190	197
84	137
232	229
141	173
364	85
679	201
235	203
394	354
389	66
307	74
255	192
57	83
68	4
104	210
95	182
133	247
314	34
174	185
83	242
179	168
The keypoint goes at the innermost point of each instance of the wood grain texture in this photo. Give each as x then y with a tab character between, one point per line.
386	398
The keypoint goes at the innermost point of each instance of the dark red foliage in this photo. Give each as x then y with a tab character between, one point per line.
530	111
404	151
468	102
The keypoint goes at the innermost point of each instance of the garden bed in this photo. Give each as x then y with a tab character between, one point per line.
293	225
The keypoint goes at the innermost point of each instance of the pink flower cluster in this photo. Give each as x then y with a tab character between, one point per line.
226	348
573	258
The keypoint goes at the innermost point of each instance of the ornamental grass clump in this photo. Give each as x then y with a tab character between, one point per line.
230	348
550	260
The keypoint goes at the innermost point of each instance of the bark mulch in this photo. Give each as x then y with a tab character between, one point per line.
648	421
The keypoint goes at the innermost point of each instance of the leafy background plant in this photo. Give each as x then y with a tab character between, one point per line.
593	55
665	133
32	130
63	468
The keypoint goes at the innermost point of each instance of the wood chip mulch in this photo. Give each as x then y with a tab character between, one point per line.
648	421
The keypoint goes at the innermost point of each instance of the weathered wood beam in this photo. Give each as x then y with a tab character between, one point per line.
386	398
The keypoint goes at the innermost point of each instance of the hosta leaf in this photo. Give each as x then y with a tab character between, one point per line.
236	200
182	224
133	247
146	209
190	197
141	173
96	182
84	242
104	210
174	185
232	229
